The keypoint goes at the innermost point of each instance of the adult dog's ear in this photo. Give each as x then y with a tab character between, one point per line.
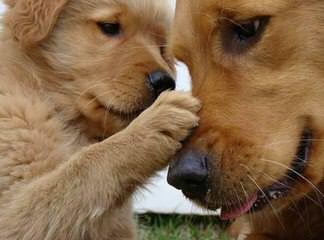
32	20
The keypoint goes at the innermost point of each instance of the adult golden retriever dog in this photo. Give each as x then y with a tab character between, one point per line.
257	66
74	74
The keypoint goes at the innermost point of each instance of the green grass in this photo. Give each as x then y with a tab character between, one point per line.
165	227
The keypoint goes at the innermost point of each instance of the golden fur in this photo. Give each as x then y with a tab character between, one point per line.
256	102
64	86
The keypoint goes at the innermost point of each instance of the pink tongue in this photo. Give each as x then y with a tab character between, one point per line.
240	210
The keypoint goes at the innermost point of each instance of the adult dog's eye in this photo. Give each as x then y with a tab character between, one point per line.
247	30
241	35
110	28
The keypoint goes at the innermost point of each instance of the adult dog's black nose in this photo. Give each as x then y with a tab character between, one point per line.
161	81
189	172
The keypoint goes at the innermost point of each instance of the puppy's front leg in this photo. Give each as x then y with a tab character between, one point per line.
60	205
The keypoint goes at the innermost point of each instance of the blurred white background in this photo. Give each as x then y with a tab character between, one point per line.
158	196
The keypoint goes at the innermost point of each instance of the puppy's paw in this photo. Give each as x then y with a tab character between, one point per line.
183	100
176	114
173	115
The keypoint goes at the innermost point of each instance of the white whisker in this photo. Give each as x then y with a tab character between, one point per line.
272	207
295	172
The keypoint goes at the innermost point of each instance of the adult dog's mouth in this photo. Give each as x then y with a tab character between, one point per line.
277	190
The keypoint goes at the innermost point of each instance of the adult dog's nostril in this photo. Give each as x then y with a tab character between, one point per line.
161	81
189	172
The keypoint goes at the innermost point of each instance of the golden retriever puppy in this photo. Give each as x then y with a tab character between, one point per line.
257	66
74	76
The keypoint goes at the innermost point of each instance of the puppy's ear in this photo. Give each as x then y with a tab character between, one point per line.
32	20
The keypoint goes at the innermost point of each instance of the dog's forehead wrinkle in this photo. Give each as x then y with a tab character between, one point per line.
148	8
153	11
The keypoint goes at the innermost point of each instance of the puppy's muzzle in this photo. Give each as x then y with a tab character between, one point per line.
160	81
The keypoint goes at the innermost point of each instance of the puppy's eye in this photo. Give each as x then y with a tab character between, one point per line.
110	28
241	35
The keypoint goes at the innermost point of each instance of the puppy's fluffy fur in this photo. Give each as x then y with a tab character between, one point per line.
64	84
259	93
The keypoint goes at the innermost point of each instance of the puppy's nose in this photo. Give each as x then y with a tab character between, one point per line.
189	172
161	81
